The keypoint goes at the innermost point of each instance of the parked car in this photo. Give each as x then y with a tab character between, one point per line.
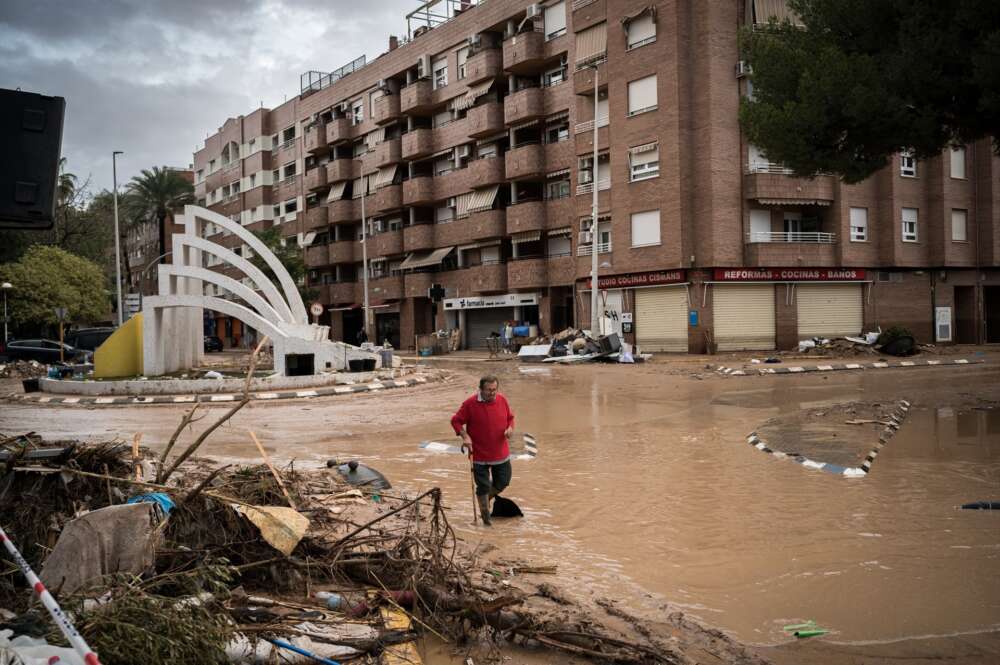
88	338
212	343
42	350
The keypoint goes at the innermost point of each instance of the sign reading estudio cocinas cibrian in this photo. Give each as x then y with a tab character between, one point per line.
789	274
634	279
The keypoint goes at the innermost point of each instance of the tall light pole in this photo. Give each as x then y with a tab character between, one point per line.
364	254
595	320
6	286
118	250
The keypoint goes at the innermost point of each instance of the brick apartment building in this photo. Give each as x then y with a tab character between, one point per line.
474	138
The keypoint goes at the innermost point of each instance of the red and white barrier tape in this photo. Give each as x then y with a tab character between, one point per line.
65	625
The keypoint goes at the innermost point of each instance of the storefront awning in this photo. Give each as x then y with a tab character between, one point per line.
425	259
483	199
794	202
336	192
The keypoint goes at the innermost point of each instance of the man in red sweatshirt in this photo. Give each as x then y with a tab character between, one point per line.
485	423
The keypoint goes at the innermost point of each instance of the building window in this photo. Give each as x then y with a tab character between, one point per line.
440	68
646	228
462	56
444	214
859	224
555	20
557	132
291	205
959	221
357	111
211	166
275	176
201	175
252	145
373	97
641	31
554	76
644	162
958	162
288	170
642	95
586	174
253	180
907	164
909	225
276	211
556	189
234	189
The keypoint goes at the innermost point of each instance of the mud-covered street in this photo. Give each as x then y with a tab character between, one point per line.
645	492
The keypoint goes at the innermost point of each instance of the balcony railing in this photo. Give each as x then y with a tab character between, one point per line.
769	167
791	236
578	4
587	188
588	126
587	250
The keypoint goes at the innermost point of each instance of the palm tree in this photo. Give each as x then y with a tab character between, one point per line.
67	184
155	194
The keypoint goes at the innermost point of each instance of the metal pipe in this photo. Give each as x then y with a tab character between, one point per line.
118	251
595	327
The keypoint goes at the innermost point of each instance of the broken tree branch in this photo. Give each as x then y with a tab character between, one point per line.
267	461
185	421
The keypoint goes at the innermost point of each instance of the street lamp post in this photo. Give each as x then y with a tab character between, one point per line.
364	256
595	321
118	251
6	286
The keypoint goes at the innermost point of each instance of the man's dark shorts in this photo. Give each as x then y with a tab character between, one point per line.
501	477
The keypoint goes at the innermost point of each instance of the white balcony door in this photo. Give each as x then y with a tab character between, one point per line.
793	225
760	225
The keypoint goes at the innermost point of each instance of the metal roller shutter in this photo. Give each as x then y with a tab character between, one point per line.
479	323
661	319
744	316
829	310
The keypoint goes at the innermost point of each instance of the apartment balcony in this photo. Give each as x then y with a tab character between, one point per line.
344	251
477	226
777	250
486	278
316	179
583	139
388	243
341	293
418	97
418	143
317	217
418	237
389	152
483	65
344	210
389	197
341	169
317	256
416	284
588	250
530	273
452	183
524	53
583	79
524	105
484	120
256	197
561	270
389	287
526	216
766	181
387	109
485	171
418	191
315	140
286	189
588	12
525	161
339	130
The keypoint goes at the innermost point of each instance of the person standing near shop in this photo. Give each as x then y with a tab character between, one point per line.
485	423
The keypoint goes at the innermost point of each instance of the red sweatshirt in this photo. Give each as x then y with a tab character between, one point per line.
486	423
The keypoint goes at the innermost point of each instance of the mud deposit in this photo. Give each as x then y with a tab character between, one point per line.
645	492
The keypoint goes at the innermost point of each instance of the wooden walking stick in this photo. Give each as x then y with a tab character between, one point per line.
472	480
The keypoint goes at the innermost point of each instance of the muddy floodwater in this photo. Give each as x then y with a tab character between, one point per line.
645	489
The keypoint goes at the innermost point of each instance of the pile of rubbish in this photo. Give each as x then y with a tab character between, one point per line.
181	561
22	369
577	346
893	342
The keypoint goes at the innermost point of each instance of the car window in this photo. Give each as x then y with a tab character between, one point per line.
50	345
31	343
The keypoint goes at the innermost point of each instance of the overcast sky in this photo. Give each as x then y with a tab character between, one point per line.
154	77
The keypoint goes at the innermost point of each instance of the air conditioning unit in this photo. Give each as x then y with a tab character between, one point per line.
585	224
424	66
381	85
451	202
474	41
743	69
534	9
585	238
463	151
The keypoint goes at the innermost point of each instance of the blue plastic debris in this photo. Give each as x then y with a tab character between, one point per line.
165	503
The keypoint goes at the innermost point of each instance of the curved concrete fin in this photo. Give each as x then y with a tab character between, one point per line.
288	286
235	310
250	296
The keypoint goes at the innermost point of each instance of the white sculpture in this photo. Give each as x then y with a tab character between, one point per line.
172	320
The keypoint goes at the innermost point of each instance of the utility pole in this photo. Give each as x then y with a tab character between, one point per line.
364	255
118	250
595	319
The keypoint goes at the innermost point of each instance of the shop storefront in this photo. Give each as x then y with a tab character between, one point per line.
829	310
652	305
481	317
744	317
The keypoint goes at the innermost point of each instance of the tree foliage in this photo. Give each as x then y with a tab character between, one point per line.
860	80
47	277
290	257
151	197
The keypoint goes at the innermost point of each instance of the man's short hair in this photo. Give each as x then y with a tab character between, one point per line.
488	379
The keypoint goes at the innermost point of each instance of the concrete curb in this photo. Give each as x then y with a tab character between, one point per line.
122	400
797	369
895	421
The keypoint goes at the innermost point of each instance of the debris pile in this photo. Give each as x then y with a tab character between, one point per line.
22	369
895	341
574	346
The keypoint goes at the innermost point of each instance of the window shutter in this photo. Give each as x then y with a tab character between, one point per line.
555	18
958	162
646	228
959	218
642	94
592	43
859	223
640	29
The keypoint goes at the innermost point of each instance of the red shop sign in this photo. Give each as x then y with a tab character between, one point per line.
630	280
789	274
